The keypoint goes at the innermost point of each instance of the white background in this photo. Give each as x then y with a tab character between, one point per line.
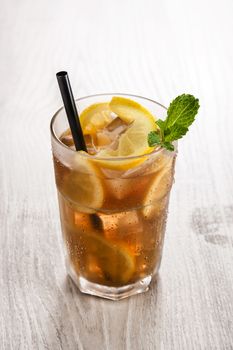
158	49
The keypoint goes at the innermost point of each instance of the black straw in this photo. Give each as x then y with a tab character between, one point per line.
75	127
71	111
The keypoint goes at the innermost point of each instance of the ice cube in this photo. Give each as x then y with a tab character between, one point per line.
108	137
118	226
119	188
102	139
117	124
67	139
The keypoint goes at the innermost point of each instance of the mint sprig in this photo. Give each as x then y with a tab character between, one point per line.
180	115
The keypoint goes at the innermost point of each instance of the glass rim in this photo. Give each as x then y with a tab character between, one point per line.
114	159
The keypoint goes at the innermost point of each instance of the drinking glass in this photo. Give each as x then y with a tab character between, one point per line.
113	211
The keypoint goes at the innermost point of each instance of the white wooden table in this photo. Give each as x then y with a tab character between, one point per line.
157	49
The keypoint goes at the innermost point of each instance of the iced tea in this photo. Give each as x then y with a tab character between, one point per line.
113	209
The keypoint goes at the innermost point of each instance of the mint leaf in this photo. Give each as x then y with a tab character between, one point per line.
175	133
168	145
160	123
182	111
180	115
153	138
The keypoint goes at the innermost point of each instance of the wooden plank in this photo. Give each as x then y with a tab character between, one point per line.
156	49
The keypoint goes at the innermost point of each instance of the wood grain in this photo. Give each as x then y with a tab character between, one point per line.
158	49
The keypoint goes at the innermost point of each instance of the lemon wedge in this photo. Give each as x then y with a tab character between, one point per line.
95	117
82	187
154	199
115	261
133	142
129	110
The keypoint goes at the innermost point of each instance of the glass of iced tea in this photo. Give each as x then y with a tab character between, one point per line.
113	200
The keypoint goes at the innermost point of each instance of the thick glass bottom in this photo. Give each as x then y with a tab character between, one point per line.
112	293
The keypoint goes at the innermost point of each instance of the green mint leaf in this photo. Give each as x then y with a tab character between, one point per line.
153	138
175	133
180	115
168	145
182	111
160	123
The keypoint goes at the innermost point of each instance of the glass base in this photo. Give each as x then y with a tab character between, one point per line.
112	293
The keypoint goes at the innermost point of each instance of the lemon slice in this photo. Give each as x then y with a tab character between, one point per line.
95	117
133	142
129	110
115	261
82	187
154	199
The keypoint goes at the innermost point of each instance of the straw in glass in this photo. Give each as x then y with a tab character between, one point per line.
71	110
75	127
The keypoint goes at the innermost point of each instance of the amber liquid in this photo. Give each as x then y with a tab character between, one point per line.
121	242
